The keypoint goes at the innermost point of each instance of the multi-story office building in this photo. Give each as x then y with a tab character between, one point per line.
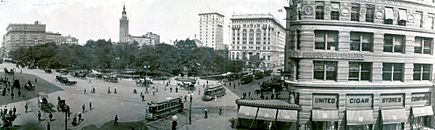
257	35
361	64
123	27
58	39
23	35
211	29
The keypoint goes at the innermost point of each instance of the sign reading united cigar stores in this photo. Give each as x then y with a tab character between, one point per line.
326	55
359	100
392	100
325	101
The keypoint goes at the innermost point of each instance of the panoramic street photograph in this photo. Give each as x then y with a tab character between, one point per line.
217	64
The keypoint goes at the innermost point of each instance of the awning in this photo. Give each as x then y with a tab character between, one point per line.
422	111
389	14
359	117
325	115
403	15
247	112
287	115
392	116
266	114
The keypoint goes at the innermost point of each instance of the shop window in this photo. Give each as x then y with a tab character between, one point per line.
423	45
320	10
419	19
422	71
335	10
360	41
326	40
325	125
393	43
403	17
360	127
325	70
392	72
395	126
360	71
370	13
354	16
388	15
421	122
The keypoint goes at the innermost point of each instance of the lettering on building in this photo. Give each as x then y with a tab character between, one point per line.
359	100
392	100
325	101
327	55
419	99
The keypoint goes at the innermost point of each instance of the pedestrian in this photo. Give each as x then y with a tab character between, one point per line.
39	115
21	71
205	113
48	125
199	91
12	95
249	94
154	93
234	86
26	107
116	121
19	93
176	89
220	111
90	105
143	97
108	90
84	91
83	108
36	80
80	117
114	91
14	110
191	98
230	83
50	116
272	96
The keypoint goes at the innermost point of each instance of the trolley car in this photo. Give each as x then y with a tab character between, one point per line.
213	92
167	107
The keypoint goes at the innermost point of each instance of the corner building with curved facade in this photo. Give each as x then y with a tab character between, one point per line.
361	64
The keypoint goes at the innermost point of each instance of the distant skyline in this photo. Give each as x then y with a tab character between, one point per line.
99	19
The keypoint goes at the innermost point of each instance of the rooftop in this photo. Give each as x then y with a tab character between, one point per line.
255	16
212	12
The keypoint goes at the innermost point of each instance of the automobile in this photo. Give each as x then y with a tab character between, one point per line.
47	70
65	80
43	102
110	78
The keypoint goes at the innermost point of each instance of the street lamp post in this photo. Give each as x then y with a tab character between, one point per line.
190	108
146	75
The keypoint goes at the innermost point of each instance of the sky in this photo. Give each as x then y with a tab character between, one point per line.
99	19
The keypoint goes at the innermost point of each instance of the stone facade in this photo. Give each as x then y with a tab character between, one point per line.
327	39
211	29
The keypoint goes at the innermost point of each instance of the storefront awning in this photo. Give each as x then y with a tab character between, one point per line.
392	116
359	117
247	112
325	115
403	15
287	115
266	114
422	111
389	13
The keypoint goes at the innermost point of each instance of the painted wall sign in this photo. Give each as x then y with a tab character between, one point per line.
326	55
325	101
392	100
420	99
359	100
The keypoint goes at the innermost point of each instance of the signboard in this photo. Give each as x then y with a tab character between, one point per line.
325	101
420	99
392	100
359	100
326	55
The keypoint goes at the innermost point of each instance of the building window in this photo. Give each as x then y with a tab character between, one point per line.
393	43
360	71
354	16
370	13
360	41
319	10
298	39
335	10
422	71
403	17
326	40
392	72
325	70
423	45
389	15
419	19
429	23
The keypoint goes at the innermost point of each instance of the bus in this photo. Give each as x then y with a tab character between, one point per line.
213	92
167	107
247	78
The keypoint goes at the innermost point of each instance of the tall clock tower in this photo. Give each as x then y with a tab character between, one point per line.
123	27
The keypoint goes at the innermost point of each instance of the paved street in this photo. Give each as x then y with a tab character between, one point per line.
128	106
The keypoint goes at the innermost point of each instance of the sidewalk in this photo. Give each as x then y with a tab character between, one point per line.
209	124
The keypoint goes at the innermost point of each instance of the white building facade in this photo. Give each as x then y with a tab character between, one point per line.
257	34
211	25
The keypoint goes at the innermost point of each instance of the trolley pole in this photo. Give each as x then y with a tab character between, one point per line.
190	109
